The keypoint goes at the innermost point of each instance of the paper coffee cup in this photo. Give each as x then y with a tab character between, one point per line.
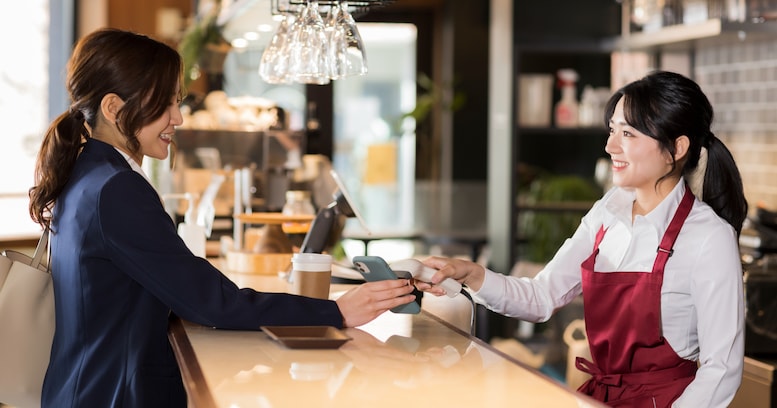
311	275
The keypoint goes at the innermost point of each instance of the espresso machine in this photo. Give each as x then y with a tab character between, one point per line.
758	246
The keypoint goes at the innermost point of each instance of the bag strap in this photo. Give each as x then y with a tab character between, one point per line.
42	248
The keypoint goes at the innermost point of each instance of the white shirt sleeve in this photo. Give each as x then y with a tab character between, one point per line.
557	284
719	309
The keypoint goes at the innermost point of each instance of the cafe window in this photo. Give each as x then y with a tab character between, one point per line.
374	139
24	104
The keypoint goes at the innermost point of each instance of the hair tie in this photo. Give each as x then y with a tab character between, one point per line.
708	140
76	114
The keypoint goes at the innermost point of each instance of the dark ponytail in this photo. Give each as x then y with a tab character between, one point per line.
56	157
723	189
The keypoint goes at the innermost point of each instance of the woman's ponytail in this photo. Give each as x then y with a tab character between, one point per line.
723	189
56	158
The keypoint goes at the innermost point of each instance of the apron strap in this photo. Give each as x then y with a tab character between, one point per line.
665	248
599	237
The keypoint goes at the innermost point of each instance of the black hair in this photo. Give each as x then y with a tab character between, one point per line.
666	105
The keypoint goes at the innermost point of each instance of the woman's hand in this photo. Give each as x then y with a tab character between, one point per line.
367	301
465	272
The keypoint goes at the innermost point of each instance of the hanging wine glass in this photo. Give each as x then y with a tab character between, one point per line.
274	65
338	45
355	56
308	48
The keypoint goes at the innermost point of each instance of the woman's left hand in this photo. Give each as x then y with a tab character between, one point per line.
367	301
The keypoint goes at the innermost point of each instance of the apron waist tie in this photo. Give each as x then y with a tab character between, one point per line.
646	377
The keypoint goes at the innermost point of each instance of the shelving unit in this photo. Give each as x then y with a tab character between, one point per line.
548	36
557	40
587	48
565	40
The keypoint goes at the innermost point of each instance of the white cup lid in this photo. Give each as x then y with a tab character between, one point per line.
312	262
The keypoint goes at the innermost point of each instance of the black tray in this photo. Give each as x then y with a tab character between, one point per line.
307	337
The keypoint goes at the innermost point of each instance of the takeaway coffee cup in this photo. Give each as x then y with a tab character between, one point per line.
311	274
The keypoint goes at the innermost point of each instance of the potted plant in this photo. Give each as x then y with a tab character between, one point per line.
432	96
203	48
547	231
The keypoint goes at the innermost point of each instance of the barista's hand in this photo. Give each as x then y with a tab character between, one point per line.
367	301
465	272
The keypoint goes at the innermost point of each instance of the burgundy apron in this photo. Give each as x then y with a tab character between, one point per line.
633	365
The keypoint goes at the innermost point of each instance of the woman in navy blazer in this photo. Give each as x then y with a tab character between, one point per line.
118	265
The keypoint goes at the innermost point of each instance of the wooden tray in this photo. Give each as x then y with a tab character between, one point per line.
307	337
272	218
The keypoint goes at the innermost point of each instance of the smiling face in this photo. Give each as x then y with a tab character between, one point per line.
637	159
155	137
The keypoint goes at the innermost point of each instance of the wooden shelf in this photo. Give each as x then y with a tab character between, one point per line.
684	36
675	37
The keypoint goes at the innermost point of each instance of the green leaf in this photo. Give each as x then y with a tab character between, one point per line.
203	31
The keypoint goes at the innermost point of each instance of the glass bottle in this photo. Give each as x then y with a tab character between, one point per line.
297	203
567	107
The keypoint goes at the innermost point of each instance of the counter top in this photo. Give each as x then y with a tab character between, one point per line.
396	360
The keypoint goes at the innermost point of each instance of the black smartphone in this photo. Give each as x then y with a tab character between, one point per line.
375	268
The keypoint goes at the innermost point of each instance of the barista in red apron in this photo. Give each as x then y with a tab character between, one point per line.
633	365
659	135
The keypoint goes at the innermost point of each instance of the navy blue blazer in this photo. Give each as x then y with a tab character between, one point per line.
119	269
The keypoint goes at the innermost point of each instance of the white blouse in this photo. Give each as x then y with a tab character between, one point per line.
702	299
135	166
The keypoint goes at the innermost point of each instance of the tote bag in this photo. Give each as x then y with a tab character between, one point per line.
26	324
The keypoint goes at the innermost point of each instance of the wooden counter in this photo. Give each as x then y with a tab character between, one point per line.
394	361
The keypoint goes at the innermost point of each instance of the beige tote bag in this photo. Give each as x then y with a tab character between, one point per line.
26	325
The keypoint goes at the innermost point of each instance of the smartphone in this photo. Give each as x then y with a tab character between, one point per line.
375	268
